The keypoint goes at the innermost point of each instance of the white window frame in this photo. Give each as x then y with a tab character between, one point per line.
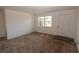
40	21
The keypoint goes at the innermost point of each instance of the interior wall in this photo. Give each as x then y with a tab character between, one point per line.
2	24
77	28
18	23
54	29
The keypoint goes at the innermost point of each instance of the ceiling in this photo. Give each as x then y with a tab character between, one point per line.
37	9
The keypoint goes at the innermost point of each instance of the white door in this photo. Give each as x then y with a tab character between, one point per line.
65	25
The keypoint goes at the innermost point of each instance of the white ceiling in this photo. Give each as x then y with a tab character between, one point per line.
37	9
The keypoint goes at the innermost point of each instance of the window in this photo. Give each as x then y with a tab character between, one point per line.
45	21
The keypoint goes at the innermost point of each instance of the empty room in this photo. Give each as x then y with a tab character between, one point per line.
39	29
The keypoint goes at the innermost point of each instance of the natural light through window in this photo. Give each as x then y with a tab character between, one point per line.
45	21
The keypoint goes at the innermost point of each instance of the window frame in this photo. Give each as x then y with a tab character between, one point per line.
44	20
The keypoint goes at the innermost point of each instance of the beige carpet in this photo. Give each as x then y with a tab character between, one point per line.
38	42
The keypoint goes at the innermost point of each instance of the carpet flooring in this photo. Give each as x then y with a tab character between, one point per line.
2	38
38	43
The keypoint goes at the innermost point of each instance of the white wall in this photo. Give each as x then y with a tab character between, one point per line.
77	28
54	29
18	23
2	24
